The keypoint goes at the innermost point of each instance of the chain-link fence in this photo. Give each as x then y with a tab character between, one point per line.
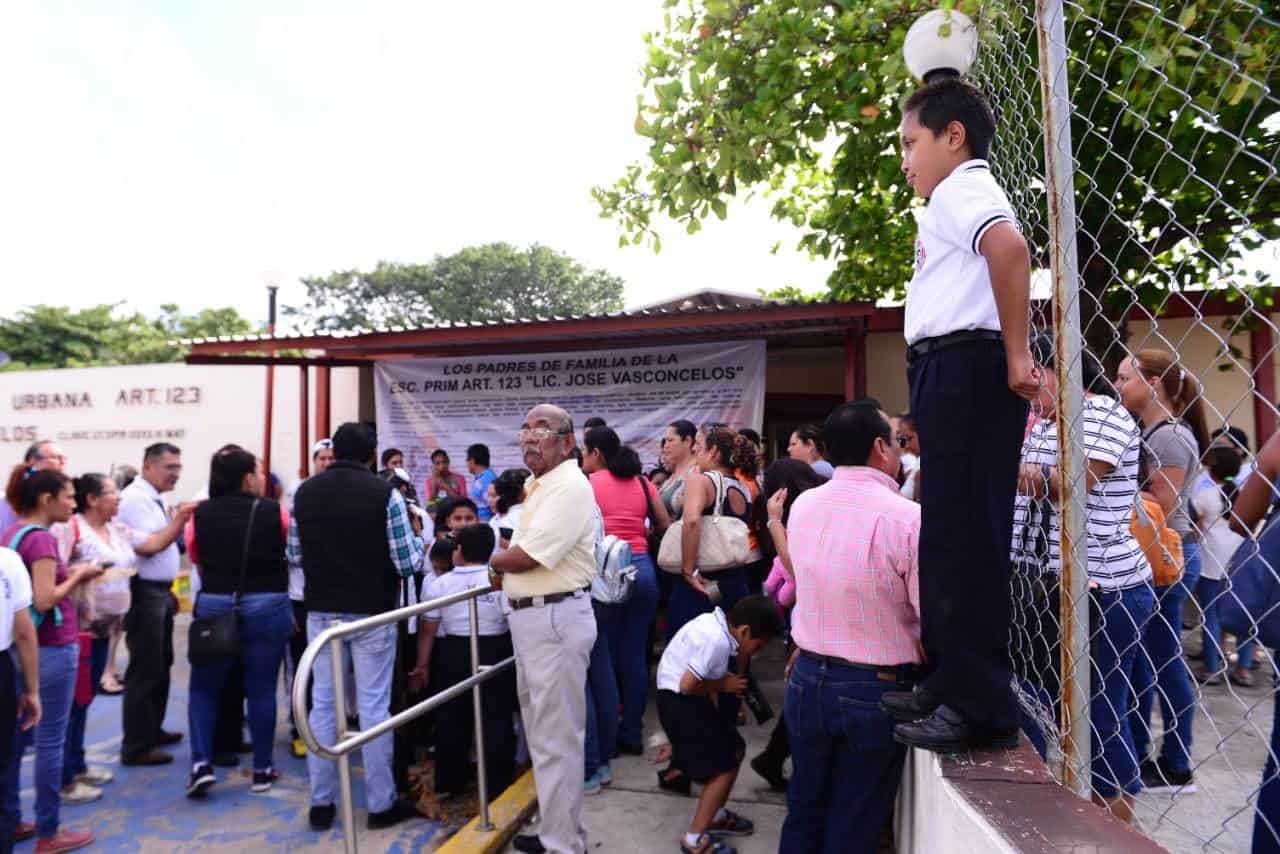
1138	142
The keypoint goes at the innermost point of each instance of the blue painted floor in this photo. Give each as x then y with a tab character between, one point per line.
146	810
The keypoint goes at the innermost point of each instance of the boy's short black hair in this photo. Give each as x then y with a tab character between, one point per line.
446	507
476	542
593	422
952	100
479	454
442	551
759	614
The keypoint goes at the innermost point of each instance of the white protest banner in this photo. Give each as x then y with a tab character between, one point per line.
451	403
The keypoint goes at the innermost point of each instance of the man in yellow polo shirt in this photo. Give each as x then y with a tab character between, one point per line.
547	575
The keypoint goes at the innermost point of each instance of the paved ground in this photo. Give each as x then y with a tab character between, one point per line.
145	810
1230	740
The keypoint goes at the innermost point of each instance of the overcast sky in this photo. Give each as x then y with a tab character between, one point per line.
186	152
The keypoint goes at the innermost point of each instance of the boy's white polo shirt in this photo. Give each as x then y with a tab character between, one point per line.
455	619
951	289
703	646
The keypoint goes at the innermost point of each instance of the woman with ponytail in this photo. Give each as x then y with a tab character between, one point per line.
1165	398
42	499
628	503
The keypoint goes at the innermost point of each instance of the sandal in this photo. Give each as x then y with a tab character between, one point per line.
679	783
708	844
732	825
1241	677
110	686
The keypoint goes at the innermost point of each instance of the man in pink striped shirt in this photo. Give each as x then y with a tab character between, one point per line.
856	625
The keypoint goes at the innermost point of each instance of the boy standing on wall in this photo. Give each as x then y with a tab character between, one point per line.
971	374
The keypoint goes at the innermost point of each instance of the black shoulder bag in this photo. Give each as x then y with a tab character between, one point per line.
212	639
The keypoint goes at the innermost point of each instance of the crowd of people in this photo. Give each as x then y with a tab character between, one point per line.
891	554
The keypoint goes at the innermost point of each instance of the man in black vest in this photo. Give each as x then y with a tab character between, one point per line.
354	538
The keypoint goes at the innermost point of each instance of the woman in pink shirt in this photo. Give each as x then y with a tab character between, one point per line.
627	502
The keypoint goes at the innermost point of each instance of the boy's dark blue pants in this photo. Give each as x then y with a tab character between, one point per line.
971	428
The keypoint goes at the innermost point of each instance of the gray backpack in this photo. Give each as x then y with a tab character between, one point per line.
615	571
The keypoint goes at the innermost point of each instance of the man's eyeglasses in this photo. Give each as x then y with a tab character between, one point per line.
538	434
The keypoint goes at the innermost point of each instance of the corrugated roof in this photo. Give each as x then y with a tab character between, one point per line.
687	310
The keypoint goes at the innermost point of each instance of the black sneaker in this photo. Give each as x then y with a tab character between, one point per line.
262	780
1157	779
321	817
399	811
202	781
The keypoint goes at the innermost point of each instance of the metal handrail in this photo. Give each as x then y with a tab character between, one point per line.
349	740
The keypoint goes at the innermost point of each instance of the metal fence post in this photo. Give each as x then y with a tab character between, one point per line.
481	768
344	759
1073	493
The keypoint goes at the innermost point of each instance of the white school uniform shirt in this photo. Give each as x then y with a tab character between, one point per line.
455	619
142	509
703	647
951	289
15	593
1217	542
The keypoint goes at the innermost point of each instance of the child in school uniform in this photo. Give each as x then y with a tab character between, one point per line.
445	641
693	673
971	377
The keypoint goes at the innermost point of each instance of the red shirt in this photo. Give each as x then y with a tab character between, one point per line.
624	504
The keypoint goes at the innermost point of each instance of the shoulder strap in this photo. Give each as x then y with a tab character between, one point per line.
22	535
718	480
1168	422
244	556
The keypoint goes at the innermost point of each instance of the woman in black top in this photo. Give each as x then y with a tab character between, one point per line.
238	533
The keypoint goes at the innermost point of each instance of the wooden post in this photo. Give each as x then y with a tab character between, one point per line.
855	362
322	403
304	422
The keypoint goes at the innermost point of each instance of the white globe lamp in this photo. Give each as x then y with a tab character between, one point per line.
940	44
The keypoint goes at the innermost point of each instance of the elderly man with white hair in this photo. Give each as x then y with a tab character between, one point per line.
546	575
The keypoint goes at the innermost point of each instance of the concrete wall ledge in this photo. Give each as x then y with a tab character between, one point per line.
1003	802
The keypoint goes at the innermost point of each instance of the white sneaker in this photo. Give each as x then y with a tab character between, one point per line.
80	793
95	776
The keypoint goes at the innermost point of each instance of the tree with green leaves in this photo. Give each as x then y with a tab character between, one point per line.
48	336
1175	124
496	281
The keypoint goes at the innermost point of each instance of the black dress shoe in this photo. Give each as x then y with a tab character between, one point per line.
150	757
946	732
528	843
909	706
770	771
167	738
321	817
398	812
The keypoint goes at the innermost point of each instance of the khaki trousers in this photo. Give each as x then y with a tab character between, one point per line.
552	646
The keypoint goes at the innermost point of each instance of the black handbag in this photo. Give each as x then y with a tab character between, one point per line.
214	639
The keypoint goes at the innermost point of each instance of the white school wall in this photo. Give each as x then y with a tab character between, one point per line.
105	417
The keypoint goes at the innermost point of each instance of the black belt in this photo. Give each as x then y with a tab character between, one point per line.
550	598
165	584
887	672
929	345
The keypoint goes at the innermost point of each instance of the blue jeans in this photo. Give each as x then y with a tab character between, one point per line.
73	761
627	627
57	688
1114	653
846	765
602	704
373	656
1266	822
265	622
1162	672
687	603
1208	591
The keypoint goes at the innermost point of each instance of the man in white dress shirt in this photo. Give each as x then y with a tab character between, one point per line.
149	623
